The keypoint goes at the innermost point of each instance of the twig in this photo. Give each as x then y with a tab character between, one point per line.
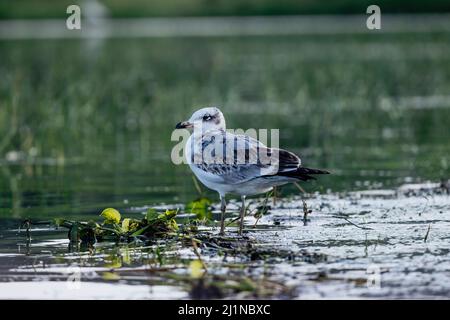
305	212
428	232
263	206
150	270
27	224
232	221
354	224
194	245
236	219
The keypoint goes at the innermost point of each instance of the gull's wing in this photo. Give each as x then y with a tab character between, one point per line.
235	159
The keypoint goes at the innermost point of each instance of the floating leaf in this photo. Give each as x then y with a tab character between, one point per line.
196	269
110	276
111	215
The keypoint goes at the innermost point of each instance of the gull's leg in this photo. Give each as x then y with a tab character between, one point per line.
223	207
241	224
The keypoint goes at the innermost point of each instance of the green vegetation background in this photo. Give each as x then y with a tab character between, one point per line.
143	8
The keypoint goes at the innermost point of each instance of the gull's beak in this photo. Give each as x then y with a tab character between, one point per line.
184	124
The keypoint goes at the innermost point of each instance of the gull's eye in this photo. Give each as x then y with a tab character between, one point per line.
207	117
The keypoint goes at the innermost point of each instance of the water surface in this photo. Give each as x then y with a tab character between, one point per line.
86	124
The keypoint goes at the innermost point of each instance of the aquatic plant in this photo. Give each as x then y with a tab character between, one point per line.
201	207
113	228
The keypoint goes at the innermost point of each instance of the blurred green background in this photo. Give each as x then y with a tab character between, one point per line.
13	9
86	123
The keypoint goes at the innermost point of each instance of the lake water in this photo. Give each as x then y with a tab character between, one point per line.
86	124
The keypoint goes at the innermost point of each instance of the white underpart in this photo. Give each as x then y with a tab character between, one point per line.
225	177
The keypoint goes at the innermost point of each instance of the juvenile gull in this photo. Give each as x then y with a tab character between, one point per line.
237	164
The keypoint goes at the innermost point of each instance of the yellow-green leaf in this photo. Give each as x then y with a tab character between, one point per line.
111	215
172	224
151	214
201	207
196	269
126	257
58	221
126	225
113	262
110	276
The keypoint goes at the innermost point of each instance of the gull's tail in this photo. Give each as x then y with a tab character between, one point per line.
302	173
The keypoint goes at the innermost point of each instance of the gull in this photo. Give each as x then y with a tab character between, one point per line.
237	164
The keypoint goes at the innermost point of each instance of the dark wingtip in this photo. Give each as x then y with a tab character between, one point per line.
313	171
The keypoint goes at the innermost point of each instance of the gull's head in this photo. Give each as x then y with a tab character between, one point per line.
210	118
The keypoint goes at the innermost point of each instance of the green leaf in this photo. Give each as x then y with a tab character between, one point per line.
247	284
172	224
140	231
58	222
93	224
113	261
201	207
113	228
111	215
126	257
169	214
151	214
63	223
126	224
130	225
